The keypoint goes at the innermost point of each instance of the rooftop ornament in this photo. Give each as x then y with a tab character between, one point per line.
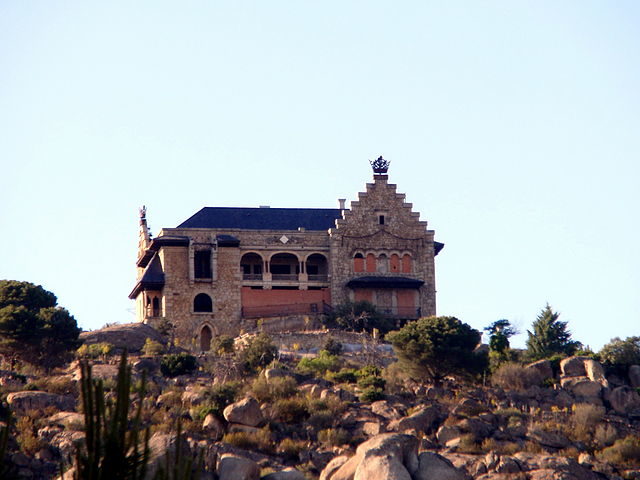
380	165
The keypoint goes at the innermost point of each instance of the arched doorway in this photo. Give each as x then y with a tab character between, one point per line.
205	338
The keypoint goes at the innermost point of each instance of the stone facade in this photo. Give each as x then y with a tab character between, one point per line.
225	270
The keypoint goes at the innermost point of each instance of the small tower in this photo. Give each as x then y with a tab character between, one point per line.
144	234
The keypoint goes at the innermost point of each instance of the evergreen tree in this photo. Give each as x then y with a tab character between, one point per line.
32	327
435	347
499	333
550	336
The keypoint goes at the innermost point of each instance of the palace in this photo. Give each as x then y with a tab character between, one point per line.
226	270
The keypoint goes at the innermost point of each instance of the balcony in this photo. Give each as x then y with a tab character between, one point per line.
318	278
284	277
252	277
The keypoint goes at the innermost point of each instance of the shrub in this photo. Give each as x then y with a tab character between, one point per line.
621	353
26	437
258	353
152	347
60	385
625	451
291	449
333	437
358	316
290	410
260	440
584	419
371	394
373	381
345	375
333	346
512	376
274	389
94	350
223	344
221	395
605	435
176	364
319	365
469	444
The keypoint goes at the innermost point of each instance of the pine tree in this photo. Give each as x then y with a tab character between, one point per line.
550	336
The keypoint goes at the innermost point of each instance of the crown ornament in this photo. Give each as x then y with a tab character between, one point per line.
380	165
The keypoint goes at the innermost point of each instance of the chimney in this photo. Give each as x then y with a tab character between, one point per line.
342	201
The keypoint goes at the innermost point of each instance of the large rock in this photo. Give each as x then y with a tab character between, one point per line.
422	421
382	408
581	386
36	400
286	474
129	336
161	446
542	368
213	427
433	466
69	420
99	371
634	376
595	372
402	448
573	367
234	467
246	412
381	467
624	399
548	439
333	466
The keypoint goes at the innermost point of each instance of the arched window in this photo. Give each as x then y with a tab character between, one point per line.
202	303
371	262
383	263
205	339
395	263
358	263
407	266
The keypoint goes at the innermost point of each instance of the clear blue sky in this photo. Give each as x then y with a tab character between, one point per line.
513	127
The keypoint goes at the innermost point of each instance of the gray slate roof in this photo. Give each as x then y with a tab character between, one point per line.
264	218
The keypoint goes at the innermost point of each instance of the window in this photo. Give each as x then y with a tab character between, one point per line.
358	263
202	303
156	307
202	264
381	219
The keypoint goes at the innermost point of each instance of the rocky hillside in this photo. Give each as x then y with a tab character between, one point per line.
311	415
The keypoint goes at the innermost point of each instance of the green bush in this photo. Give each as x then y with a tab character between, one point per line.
625	451
333	346
217	398
373	381
176	364
333	437
291	449
290	410
223	344
274	389
258	353
94	350
345	375
371	394
319	365
620	352
152	347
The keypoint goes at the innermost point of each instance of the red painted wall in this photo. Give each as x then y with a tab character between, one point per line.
260	298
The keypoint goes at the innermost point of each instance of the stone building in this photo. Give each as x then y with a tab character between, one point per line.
225	270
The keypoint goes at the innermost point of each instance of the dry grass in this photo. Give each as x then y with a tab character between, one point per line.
512	376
